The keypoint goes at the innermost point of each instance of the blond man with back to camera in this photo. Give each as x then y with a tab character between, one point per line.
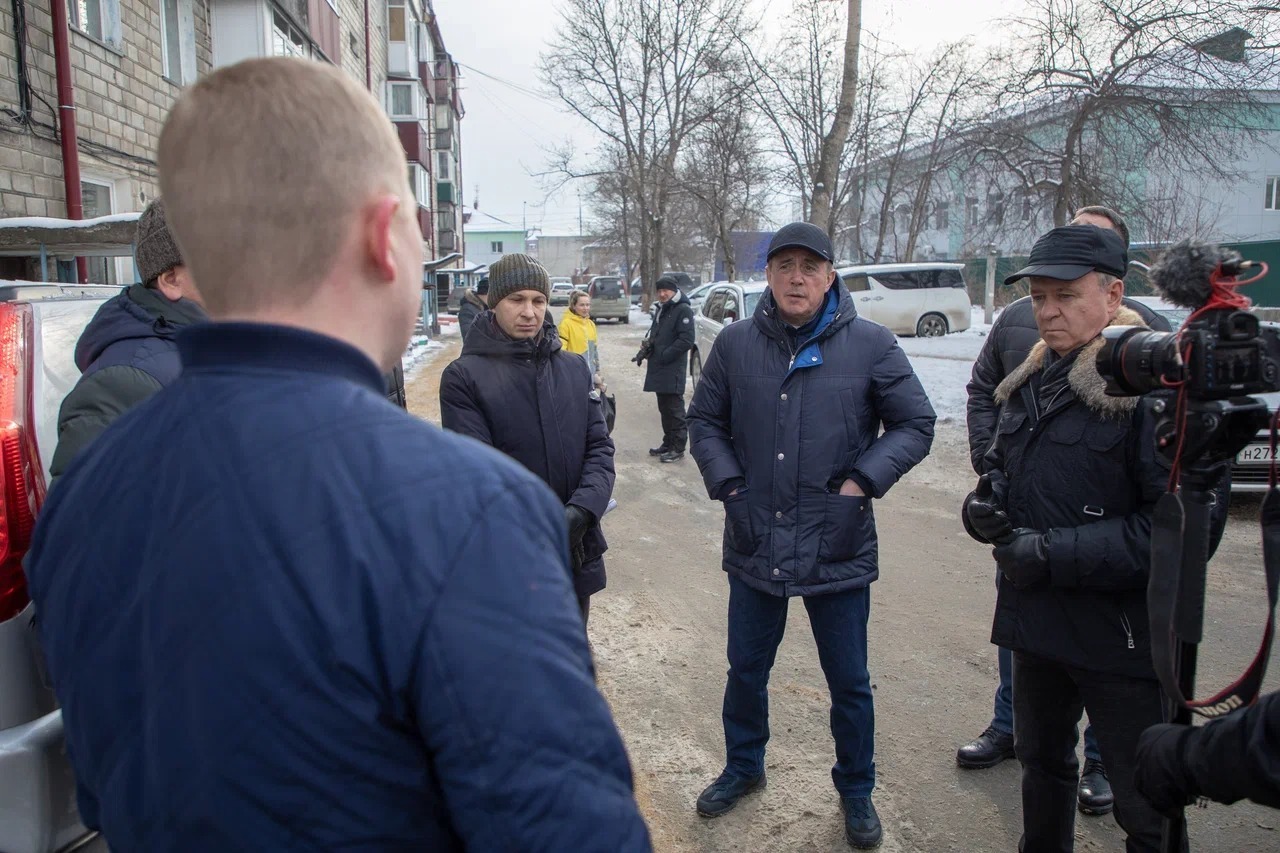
283	637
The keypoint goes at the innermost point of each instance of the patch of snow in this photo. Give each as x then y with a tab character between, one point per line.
55	222
945	364
420	353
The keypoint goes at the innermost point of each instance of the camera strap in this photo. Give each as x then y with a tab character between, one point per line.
1175	597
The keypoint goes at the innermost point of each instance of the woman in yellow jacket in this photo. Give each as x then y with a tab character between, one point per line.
578	331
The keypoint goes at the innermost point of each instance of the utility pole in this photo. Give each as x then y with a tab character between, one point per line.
579	212
524	218
989	300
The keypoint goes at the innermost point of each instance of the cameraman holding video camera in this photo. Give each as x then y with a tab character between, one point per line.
1072	478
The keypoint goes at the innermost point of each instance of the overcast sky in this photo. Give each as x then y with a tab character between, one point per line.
506	130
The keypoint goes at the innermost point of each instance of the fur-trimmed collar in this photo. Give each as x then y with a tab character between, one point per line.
1089	386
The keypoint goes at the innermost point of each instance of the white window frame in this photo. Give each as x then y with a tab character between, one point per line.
114	271
420	183
186	60
278	21
1272	199
417	95
495	247
108	29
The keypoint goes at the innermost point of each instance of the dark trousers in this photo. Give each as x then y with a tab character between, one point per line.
839	621
1047	700
674	432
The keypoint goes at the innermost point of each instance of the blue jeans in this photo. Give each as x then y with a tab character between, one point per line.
1003	719
839	620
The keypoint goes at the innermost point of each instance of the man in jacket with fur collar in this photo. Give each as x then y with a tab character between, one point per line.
1073	477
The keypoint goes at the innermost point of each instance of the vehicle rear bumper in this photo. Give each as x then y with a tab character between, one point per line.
37	790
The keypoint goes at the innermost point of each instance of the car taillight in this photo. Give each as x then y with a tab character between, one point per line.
23	486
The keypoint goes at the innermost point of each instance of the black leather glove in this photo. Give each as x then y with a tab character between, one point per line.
1024	559
984	516
1161	774
579	521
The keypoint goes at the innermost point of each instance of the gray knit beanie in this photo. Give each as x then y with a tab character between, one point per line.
154	250
513	273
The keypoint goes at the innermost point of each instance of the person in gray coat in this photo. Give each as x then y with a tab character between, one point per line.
786	430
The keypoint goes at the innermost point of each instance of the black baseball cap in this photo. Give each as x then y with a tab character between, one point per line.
802	235
1071	251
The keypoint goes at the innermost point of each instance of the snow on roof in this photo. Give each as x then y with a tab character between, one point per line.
56	222
484	223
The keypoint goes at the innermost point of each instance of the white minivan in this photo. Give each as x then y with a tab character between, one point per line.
924	299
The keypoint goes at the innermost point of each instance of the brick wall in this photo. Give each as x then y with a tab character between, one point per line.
122	97
352	33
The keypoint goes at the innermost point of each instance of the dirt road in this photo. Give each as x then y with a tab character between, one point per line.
659	638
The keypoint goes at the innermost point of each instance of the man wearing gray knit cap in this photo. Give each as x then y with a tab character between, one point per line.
516	390
127	352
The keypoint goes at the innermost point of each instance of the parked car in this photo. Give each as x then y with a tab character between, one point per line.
700	292
923	299
561	290
609	299
637	291
724	303
1176	315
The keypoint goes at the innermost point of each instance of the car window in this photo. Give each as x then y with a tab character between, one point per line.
856	282
899	280
950	278
607	288
731	312
713	307
751	300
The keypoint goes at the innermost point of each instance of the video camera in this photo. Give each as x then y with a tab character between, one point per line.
1219	354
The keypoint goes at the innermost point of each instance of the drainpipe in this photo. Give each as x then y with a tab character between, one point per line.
67	122
368	60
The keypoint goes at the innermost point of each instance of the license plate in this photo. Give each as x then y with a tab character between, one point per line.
1255	453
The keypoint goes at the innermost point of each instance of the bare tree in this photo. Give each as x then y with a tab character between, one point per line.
831	151
799	88
725	175
637	71
1099	84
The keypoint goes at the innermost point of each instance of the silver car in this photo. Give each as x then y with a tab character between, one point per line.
724	303
39	327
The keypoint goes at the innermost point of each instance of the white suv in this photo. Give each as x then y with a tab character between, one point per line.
924	299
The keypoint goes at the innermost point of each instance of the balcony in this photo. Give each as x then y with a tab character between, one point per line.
426	224
448	241
445	192
448	213
444	139
324	26
416	142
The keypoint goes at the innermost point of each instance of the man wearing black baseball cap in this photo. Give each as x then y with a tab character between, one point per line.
1070	481
786	429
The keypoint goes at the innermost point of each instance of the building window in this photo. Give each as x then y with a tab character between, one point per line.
99	19
397	23
995	209
1026	207
286	39
443	159
495	246
406	100
177	40
1273	194
971	211
941	221
420	184
98	200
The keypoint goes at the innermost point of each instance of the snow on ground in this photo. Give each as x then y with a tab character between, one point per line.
420	353
944	365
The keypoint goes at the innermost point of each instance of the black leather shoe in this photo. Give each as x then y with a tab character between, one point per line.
671	456
861	823
659	450
989	749
1094	794
722	795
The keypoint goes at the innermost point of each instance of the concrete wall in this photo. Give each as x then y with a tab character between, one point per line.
561	255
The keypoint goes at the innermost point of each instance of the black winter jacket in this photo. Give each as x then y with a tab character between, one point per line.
471	308
673	336
1238	758
125	354
1011	338
1081	467
792	424
537	404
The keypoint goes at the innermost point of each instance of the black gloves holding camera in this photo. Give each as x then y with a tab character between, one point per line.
579	521
646	350
1020	553
1162	775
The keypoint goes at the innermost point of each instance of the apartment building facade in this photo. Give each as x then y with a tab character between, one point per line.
130	59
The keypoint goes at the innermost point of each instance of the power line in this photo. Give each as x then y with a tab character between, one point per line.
524	90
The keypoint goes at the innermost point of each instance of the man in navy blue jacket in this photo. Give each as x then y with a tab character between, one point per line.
279	612
785	427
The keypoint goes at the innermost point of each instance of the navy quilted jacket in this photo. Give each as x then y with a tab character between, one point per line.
791	421
303	619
